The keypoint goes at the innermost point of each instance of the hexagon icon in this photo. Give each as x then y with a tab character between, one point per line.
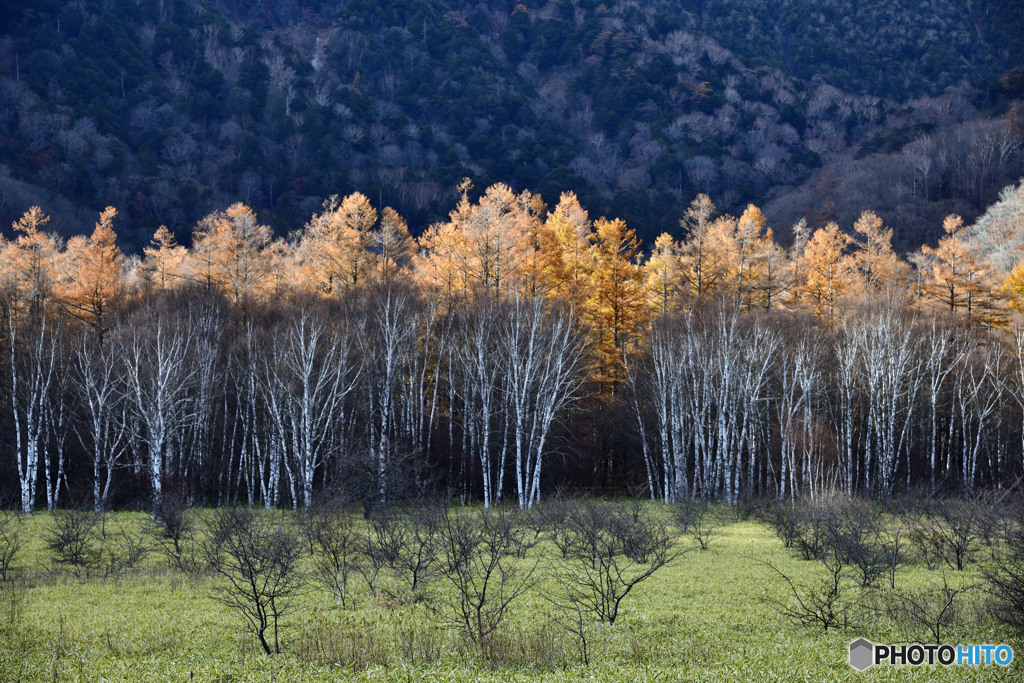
861	654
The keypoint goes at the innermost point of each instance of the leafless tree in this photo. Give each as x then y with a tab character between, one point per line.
11	541
381	545
1016	385
824	604
1005	571
608	551
334	540
73	537
697	520
798	374
124	547
656	382
937	609
483	556
952	531
155	346
387	340
857	534
478	385
257	561
309	370
404	544
815	523
416	559
978	386
784	520
261	452
175	529
207	322
98	379
543	362
32	354
890	365
943	353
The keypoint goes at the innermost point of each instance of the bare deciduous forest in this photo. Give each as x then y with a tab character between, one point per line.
509	352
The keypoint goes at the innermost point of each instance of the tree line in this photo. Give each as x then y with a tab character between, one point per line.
509	350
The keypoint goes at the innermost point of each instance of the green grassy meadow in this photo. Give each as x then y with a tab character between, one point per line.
704	617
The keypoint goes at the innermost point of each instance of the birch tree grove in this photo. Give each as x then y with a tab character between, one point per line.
32	360
890	368
97	375
883	401
542	354
156	347
656	381
478	378
387	340
710	389
507	353
308	373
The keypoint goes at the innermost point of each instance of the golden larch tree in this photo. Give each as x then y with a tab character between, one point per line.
704	251
827	270
880	268
94	268
955	277
280	270
772	274
437	266
618	305
749	231
496	238
569	251
534	258
391	247
662	273
228	252
164	263
333	248
30	264
1013	288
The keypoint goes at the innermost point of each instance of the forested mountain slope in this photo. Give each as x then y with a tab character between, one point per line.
169	109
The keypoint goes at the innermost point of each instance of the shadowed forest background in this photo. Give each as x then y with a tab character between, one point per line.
170	109
716	250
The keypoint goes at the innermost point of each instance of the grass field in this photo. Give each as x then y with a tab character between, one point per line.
704	617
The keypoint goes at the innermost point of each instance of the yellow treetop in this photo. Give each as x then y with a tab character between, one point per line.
618	303
827	270
956	279
228	252
29	263
95	267
662	273
333	250
569	250
438	265
1013	288
391	246
165	259
771	274
749	230
879	266
704	253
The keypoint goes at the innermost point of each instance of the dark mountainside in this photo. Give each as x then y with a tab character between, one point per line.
170	109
